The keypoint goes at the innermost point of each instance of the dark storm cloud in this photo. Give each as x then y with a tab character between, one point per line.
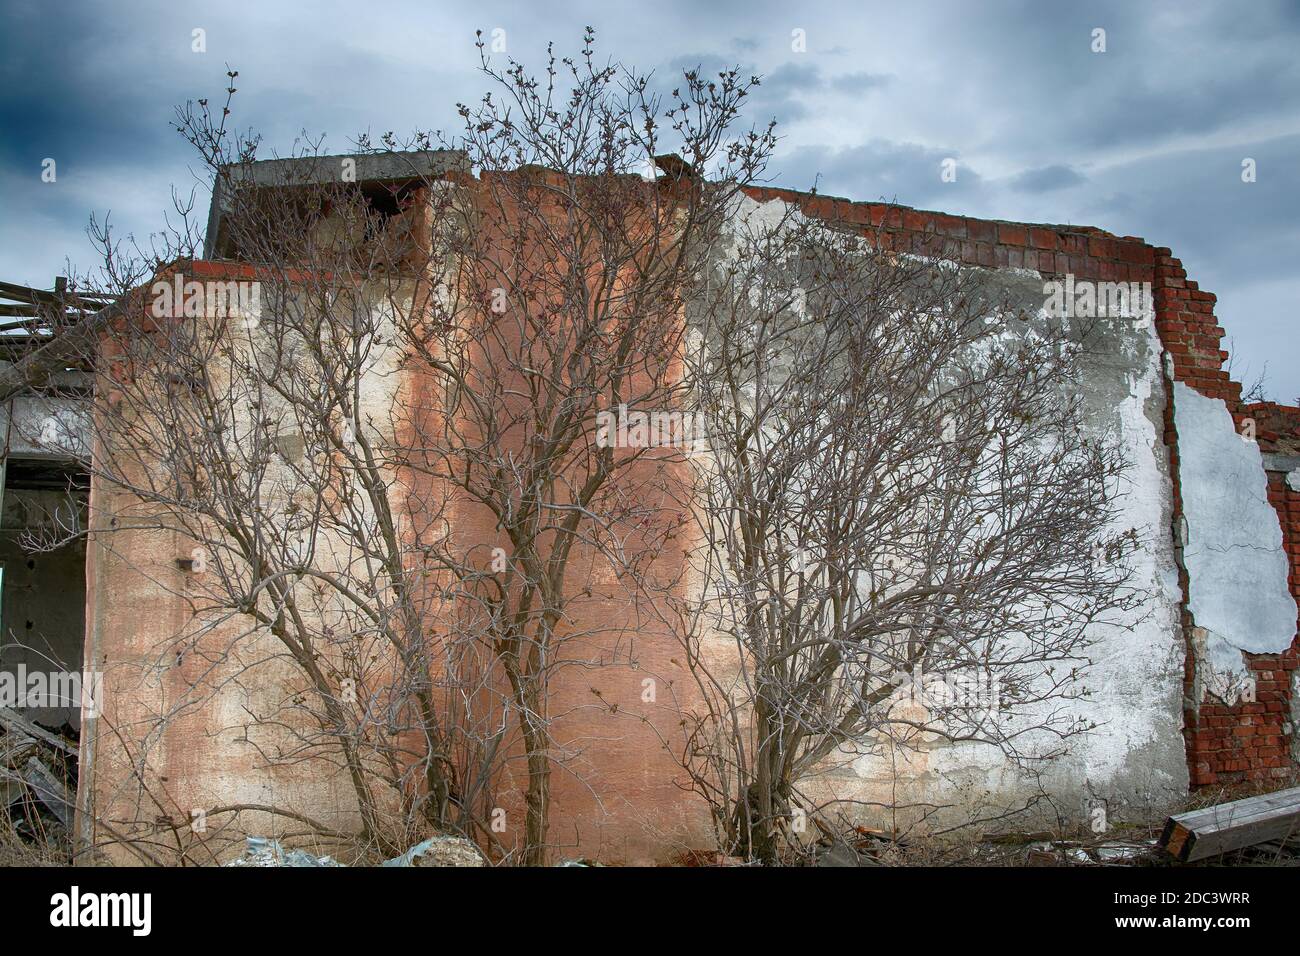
1146	138
63	94
1046	178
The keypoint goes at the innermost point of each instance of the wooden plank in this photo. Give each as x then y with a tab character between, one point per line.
1200	834
71	345
50	790
1234	815
1241	808
1218	842
22	293
14	721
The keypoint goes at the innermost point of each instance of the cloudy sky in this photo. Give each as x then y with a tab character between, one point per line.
1147	138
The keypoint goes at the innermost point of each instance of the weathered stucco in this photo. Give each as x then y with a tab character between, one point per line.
618	794
1236	564
1132	764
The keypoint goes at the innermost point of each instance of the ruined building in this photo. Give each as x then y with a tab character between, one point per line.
1199	690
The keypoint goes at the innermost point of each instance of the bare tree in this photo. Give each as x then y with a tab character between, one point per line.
571	272
250	409
389	469
248	432
896	484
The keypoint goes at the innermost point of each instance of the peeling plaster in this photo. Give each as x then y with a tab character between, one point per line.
1236	564
1134	761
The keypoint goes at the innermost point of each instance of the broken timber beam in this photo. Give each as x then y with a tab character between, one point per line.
75	341
50	790
1201	834
13	721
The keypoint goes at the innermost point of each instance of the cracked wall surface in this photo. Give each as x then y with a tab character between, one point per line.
1236	564
1136	762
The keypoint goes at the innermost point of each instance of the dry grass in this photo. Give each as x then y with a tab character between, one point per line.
46	843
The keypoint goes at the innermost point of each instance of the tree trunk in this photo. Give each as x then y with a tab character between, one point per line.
539	795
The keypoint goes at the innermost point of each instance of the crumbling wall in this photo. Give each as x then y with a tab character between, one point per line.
1132	765
1225	742
1228	740
622	800
199	703
171	743
1237	568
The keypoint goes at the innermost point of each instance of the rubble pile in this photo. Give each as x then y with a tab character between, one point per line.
38	784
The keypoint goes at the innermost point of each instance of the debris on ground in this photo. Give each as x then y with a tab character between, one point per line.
440	851
38	785
1017	837
262	851
12	722
841	855
1065	852
695	858
861	846
1121	852
50	790
1270	820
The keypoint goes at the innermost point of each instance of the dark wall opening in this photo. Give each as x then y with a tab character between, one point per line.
43	588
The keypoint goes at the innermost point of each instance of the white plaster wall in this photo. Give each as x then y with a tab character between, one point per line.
1236	564
1133	763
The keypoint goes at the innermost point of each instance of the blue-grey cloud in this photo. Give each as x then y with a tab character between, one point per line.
1145	138
909	173
860	81
1046	179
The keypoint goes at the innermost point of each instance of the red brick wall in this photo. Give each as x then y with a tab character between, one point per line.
1262	749
1247	740
1086	252
1228	744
